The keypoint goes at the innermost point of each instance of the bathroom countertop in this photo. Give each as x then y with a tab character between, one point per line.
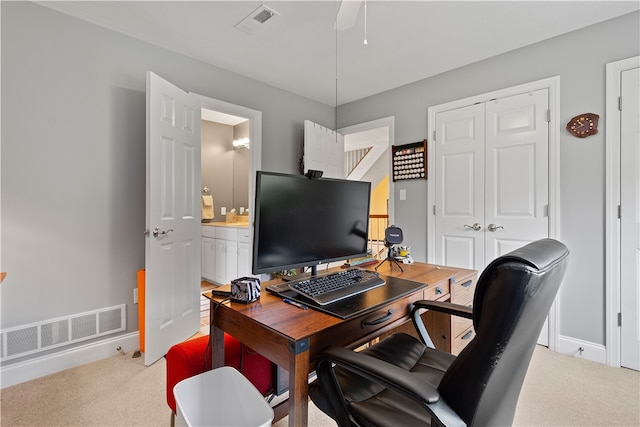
238	224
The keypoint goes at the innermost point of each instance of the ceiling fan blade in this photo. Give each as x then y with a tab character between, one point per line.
347	14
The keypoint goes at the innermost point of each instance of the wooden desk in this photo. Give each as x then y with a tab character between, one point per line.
292	338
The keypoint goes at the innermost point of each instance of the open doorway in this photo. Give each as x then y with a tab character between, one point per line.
226	149
231	138
367	150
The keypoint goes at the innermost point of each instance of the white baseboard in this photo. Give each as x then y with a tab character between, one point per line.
20	372
583	349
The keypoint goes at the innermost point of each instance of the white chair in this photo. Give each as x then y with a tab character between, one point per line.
220	397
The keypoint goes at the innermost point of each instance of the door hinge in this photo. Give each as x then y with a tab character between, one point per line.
434	210
546	211
620	103
619	319
548	116
619	211
434	136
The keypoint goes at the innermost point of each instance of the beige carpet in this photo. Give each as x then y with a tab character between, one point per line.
119	391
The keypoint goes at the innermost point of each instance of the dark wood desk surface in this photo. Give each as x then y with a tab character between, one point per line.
292	338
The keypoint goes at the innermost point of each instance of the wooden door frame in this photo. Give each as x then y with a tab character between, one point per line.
612	201
553	85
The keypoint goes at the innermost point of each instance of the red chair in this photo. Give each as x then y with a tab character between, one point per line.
193	357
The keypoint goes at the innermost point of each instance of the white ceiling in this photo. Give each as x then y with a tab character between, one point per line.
296	50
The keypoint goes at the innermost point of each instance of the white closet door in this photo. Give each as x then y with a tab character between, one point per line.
459	175
491	189
516	177
630	220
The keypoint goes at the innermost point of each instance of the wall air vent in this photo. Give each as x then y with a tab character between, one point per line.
37	337
256	19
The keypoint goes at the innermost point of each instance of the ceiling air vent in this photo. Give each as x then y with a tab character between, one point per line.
255	19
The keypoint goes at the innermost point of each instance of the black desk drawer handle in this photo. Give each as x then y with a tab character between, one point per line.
467	335
467	284
377	321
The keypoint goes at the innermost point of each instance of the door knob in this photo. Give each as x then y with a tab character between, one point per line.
493	227
157	232
475	226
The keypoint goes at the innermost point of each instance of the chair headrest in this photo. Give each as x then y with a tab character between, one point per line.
540	254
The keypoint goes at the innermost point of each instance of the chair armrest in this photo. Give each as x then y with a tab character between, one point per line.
391	377
444	307
440	306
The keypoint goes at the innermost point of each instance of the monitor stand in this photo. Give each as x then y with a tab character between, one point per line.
391	260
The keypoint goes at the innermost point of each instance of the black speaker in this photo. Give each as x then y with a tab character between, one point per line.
392	235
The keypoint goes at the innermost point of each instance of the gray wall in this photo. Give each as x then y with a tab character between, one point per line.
582	161
73	157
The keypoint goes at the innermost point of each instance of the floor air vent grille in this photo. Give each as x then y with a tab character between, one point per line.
36	337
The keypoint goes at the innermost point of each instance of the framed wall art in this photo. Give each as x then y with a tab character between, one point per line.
409	161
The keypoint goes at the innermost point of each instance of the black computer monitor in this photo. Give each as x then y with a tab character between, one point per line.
303	222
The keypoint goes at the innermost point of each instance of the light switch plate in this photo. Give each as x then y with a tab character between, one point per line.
403	194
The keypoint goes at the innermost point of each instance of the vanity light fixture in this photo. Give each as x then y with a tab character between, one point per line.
241	143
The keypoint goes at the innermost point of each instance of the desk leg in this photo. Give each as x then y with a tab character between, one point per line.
299	388
217	341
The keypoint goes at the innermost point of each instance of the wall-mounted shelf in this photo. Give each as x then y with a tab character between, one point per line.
409	161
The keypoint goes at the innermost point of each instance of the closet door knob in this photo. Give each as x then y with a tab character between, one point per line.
157	232
493	227
475	226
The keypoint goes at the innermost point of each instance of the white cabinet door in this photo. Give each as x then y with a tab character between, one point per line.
219	273
244	265
208	258
231	260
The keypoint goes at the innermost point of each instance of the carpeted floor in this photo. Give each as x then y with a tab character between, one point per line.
119	391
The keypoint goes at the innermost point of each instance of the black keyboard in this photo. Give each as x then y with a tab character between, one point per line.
336	286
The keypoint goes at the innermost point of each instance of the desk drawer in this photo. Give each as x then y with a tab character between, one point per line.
460	325
437	291
362	329
462	340
462	291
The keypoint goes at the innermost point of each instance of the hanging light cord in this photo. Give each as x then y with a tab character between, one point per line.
365	22
335	119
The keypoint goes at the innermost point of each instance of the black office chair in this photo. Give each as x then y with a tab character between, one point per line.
401	381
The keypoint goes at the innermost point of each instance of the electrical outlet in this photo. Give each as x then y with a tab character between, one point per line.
135	295
223	210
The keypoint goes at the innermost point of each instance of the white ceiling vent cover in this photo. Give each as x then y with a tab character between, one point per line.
255	19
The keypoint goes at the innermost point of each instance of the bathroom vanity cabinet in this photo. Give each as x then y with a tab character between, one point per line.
225	252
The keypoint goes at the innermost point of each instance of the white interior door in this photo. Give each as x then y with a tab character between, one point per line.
491	173
323	150
516	172
630	220
172	256
459	191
